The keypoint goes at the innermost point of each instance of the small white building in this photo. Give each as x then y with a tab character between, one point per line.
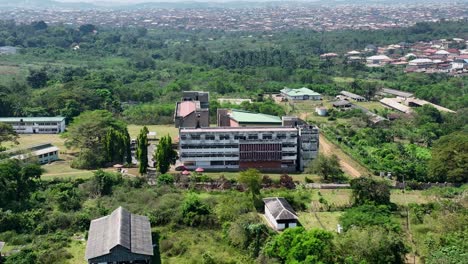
280	213
300	94
44	153
36	125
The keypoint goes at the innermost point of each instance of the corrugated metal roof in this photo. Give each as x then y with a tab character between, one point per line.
249	117
395	105
279	208
32	119
119	228
299	92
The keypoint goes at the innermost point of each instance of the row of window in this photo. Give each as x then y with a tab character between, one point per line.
237	137
48	129
48	154
33	124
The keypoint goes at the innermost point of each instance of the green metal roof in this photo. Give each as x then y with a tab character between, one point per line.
249	117
299	92
32	119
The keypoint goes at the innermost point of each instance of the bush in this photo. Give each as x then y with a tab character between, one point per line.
195	212
165	179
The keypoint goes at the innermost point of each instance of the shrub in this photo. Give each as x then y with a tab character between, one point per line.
165	179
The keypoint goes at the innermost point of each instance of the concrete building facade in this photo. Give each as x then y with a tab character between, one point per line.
282	148
36	125
193	110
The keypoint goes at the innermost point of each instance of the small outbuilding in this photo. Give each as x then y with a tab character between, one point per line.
121	237
342	104
280	213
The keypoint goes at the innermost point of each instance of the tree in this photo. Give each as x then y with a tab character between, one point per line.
252	179
99	137
165	179
297	245
102	182
368	190
7	133
370	245
17	180
369	215
449	160
37	78
327	167
142	150
164	155
194	211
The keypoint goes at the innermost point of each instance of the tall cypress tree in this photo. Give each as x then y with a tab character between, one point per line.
142	150
164	154
128	151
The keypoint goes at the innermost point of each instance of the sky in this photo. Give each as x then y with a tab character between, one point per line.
146	1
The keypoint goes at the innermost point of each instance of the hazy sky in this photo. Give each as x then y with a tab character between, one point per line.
142	1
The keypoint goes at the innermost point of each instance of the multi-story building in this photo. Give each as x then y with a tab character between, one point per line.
282	148
36	125
193	110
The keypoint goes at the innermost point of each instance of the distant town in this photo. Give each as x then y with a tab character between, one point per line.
281	16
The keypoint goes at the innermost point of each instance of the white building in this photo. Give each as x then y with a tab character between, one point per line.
283	148
44	153
36	125
280	213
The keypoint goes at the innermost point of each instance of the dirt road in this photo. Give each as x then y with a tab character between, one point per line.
349	166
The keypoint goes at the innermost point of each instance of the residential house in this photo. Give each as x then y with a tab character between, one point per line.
280	213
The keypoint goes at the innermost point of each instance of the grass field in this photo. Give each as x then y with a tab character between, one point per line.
161	130
329	220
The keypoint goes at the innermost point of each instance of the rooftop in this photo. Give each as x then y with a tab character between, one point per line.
248	117
32	119
238	129
185	108
279	208
299	92
120	228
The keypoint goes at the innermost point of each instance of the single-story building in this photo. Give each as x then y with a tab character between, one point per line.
353	96
300	94
280	213
36	125
121	237
241	118
342	104
378	60
44	153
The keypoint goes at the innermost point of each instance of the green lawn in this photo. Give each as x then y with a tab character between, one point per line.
161	130
62	169
328	219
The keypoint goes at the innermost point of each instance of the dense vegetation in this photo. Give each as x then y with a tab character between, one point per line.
103	78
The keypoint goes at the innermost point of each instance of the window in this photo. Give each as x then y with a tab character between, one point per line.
195	137
209	137
293	135
217	162
253	136
239	137
267	136
224	137
183	137
281	136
